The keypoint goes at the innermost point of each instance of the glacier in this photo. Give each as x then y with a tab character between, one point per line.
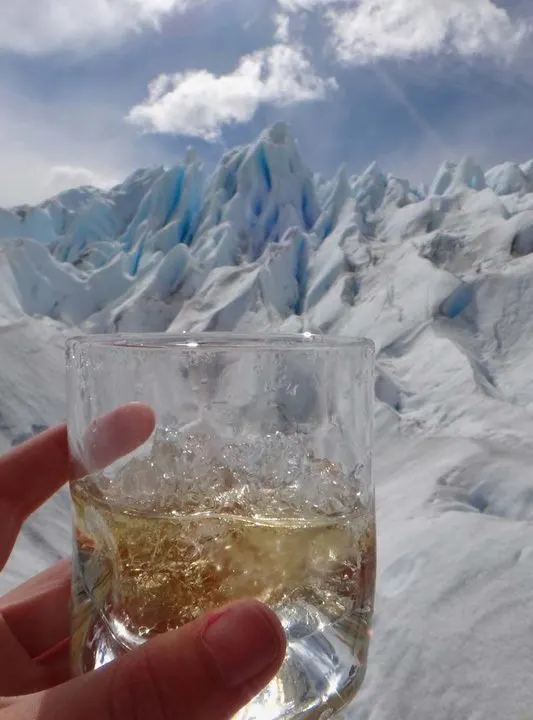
439	277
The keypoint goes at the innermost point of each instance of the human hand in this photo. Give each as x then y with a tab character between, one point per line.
208	669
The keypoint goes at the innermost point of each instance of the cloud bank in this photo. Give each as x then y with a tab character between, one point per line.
376	29
36	27
364	31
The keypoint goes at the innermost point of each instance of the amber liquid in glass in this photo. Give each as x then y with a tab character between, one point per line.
142	569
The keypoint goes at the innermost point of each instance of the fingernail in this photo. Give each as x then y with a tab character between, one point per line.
243	641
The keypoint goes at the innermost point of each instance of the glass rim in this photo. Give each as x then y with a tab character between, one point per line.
221	341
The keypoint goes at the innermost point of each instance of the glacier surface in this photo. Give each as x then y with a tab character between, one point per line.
440	278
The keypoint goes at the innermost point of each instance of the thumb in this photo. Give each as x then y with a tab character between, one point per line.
207	670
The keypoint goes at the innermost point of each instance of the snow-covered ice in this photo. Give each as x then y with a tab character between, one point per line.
441	280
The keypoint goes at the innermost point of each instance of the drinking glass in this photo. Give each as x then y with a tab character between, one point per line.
213	467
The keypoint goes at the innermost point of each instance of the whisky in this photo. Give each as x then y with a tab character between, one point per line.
151	565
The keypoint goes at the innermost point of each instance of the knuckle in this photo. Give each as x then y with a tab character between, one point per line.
136	691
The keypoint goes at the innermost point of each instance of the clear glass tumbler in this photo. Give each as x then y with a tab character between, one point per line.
215	467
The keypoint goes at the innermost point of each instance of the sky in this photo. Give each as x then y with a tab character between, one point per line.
90	91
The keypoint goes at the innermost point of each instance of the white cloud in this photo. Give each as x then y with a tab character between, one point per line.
283	27
291	6
48	147
198	103
34	27
63	177
374	29
28	176
367	30
289	11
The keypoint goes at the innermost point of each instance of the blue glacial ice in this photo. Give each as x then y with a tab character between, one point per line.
439	276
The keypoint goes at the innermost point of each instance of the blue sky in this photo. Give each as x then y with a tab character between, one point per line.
91	91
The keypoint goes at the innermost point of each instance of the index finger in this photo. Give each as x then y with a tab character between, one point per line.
111	437
35	470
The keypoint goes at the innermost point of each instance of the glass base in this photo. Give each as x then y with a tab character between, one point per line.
323	670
